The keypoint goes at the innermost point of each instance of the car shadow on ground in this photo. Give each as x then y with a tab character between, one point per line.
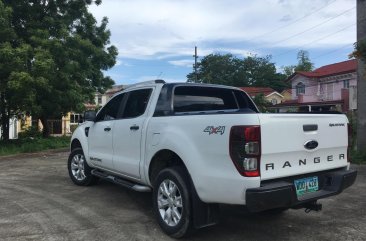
236	223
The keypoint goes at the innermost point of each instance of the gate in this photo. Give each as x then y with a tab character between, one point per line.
55	127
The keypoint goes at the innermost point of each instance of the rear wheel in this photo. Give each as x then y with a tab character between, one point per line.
171	202
79	170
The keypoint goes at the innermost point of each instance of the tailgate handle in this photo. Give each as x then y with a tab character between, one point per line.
310	127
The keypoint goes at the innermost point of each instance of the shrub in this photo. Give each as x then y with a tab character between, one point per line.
31	132
32	145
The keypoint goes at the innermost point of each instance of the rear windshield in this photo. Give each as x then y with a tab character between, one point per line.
210	99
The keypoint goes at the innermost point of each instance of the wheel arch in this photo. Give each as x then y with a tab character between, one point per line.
75	143
80	140
204	214
162	159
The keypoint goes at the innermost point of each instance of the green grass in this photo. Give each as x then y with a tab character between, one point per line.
32	145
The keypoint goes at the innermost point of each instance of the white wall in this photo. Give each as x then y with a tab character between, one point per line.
13	133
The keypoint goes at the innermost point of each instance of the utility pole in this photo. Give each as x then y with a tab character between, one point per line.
195	63
361	79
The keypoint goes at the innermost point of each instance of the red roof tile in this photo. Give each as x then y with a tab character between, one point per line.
253	91
332	69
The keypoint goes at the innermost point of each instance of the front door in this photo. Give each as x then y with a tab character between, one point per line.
100	134
128	133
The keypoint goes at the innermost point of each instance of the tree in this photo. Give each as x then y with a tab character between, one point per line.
65	54
304	63
261	103
230	70
12	59
288	70
217	69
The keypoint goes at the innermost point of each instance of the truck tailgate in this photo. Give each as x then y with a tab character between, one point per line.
294	144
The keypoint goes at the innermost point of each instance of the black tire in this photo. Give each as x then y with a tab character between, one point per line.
89	179
179	177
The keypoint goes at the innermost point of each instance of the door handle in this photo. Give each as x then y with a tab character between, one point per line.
107	129
134	128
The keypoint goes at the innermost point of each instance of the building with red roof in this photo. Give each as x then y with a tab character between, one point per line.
330	87
287	94
101	99
269	94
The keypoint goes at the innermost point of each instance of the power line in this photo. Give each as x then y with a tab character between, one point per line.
315	26
330	52
314	41
291	23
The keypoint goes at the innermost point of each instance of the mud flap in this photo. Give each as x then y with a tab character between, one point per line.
204	214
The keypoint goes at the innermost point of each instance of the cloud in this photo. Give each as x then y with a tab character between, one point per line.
162	29
182	62
286	18
120	62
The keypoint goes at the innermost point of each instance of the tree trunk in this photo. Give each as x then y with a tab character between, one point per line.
46	128
4	118
5	127
361	78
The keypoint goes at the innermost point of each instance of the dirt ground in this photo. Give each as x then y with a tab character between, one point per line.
38	201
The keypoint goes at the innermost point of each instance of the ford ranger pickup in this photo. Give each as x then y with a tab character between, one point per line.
196	146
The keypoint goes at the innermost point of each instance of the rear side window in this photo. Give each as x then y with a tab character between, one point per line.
208	99
136	103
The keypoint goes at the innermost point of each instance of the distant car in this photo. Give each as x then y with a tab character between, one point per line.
195	146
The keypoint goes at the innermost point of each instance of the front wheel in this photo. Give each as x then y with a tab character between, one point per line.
171	202
79	170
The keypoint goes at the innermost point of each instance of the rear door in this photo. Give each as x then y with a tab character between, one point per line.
128	133
294	144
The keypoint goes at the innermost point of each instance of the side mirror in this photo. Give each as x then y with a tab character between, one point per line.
90	115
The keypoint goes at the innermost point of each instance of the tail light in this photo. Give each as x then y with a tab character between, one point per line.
245	149
349	131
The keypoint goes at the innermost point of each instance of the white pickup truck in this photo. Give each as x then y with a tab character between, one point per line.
196	146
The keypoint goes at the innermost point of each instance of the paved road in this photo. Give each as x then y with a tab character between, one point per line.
39	202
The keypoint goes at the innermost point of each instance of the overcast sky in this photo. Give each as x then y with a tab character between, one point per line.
156	38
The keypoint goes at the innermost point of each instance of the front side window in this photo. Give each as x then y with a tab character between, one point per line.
346	84
111	109
300	88
136	103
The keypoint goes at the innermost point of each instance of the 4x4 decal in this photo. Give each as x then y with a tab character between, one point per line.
215	130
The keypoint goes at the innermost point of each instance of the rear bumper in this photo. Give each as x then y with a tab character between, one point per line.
281	194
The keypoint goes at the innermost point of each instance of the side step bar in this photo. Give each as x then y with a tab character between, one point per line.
121	181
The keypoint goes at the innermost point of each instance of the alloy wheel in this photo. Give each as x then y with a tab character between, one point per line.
170	202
